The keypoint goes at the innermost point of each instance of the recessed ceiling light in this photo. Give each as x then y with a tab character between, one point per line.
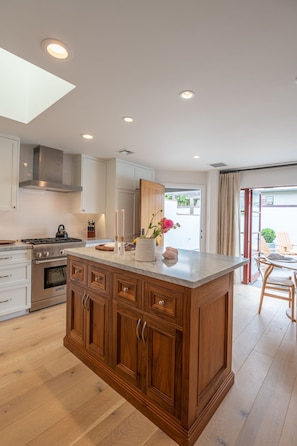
87	136
55	48
128	119
187	94
196	156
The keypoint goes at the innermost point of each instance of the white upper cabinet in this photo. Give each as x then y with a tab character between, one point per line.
90	173
9	172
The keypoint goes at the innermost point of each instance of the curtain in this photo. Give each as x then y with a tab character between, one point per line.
229	214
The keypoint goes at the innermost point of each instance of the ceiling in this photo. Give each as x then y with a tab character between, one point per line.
133	57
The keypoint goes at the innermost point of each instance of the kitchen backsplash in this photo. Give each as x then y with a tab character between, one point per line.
41	212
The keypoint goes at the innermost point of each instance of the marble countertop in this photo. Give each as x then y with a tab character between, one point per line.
14	245
192	269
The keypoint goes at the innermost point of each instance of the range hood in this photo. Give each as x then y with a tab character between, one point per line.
48	171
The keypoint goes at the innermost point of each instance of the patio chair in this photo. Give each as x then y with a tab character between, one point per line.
284	244
278	287
264	248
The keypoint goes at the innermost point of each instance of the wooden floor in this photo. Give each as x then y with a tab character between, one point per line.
48	398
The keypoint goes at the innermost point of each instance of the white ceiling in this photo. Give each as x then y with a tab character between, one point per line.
133	57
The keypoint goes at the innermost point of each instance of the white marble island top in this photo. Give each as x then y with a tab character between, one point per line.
192	269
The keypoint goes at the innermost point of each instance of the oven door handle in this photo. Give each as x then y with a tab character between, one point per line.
38	262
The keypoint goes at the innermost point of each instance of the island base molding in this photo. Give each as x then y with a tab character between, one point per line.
170	425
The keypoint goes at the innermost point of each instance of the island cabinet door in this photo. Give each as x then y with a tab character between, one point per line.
75	313
96	324
126	348
162	364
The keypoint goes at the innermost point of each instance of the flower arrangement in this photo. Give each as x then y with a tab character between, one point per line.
160	228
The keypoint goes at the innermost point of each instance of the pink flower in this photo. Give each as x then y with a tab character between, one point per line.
166	224
160	228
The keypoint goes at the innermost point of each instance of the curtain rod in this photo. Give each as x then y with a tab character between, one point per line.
257	168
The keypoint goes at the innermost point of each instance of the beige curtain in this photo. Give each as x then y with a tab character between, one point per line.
229	214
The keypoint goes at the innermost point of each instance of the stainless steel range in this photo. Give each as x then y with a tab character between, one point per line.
49	263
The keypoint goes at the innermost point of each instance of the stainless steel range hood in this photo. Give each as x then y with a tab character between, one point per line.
48	171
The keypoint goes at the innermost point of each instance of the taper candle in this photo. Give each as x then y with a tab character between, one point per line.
123	223
116	224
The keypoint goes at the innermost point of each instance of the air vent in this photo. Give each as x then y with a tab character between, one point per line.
125	152
218	165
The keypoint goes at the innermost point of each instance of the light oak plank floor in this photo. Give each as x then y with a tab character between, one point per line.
49	398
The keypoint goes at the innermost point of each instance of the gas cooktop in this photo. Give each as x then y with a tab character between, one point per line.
50	240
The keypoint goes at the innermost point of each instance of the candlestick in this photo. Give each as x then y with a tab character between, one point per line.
116	246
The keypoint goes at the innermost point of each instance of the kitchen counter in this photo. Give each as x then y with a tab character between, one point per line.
192	269
15	245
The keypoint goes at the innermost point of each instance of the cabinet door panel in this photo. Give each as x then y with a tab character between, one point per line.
75	316
9	173
163	374
96	325
125	343
126	200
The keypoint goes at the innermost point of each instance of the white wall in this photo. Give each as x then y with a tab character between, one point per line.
272	177
41	212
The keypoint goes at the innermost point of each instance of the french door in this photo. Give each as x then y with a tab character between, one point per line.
250	231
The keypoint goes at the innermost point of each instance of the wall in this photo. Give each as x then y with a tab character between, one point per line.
272	177
41	212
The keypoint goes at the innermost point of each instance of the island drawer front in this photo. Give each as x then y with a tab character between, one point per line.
164	301
77	271
127	289
99	279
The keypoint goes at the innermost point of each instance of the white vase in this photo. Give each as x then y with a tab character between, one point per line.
145	249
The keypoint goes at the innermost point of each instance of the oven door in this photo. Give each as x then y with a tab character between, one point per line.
48	282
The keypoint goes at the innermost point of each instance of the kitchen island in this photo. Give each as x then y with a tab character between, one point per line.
159	333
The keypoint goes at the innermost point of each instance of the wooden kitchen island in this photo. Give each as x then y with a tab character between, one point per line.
159	333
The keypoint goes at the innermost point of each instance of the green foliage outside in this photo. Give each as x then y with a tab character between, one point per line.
182	200
268	234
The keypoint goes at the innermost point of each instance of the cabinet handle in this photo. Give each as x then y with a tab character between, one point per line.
5	277
6	258
4	301
137	329
77	271
142	332
83	300
162	302
87	301
125	289
97	279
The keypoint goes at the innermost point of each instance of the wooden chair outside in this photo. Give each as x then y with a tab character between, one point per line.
277	287
264	248
284	244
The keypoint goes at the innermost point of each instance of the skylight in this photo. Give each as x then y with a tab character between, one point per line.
27	90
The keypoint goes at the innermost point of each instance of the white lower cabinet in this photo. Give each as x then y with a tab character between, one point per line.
15	282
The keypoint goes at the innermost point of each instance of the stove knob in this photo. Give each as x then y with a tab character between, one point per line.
38	254
46	254
61	252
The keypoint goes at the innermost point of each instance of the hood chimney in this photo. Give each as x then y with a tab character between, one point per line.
48	171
